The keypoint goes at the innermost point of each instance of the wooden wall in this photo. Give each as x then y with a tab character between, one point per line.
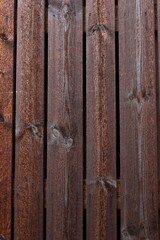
79	119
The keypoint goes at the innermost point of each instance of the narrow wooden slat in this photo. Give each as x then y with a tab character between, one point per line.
138	123
158	91
65	156
101	120
6	113
29	121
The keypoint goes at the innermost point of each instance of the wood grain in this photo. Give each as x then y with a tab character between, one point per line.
158	93
101	120
65	143
138	120
6	113
29	121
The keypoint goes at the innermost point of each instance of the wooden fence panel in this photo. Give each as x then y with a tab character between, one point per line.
29	121
138	120
7	9
65	145
101	120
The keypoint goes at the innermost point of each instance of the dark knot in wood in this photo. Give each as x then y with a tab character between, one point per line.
34	127
58	136
1	118
131	232
3	36
66	10
2	237
67	15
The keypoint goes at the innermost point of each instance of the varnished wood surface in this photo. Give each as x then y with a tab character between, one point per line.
28	202
6	114
101	120
138	121
51	195
65	143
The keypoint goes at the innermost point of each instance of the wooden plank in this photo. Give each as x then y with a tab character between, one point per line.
158	92
29	120
65	145
6	113
138	123
101	120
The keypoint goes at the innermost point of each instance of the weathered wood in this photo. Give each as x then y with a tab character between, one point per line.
65	145
84	19
101	120
158	92
29	121
138	120
6	113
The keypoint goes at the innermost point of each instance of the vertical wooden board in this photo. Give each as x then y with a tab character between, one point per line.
101	120
65	143
29	121
6	113
158	92
138	120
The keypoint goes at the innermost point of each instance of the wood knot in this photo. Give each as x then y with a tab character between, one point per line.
2	237
140	96
68	142
107	184
98	28
67	12
1	118
34	127
3	36
56	133
2	73
7	40
129	233
61	139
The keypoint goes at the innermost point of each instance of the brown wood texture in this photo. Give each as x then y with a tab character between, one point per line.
138	120
28	220
101	120
158	91
65	133
6	113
